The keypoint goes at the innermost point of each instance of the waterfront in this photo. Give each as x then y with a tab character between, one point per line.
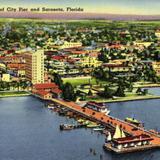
154	91
28	131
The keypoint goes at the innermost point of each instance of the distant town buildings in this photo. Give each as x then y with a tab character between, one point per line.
157	33
145	44
156	67
6	77
89	62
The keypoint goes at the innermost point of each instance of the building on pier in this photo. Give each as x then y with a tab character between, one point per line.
125	143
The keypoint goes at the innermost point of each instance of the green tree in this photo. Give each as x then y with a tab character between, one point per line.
139	91
145	92
58	80
90	93
120	91
68	92
108	92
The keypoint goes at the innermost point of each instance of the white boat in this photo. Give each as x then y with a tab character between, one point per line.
51	106
98	129
109	137
99	107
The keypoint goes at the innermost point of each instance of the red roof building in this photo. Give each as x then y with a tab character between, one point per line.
45	86
133	139
16	66
56	91
43	94
79	52
46	90
13	59
59	58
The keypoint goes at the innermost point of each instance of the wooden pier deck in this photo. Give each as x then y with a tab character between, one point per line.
106	119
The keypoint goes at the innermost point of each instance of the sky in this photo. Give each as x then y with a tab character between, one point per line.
135	7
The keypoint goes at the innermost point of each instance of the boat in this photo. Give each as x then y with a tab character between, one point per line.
99	129
87	122
80	120
51	106
80	126
118	133
66	127
63	111
106	132
84	122
134	122
99	107
109	137
92	125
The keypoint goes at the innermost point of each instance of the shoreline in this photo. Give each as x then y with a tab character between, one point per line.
148	86
6	94
121	99
131	99
124	99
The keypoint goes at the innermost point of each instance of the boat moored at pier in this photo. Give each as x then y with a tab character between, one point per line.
123	136
66	127
134	122
51	106
99	107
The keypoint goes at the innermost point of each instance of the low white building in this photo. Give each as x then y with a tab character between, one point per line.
6	77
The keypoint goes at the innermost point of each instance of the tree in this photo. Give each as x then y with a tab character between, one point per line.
23	84
129	86
139	91
90	93
58	80
103	57
145	92
120	91
4	86
68	92
108	92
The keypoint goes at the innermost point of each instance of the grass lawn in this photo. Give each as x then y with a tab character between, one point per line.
128	97
79	80
82	80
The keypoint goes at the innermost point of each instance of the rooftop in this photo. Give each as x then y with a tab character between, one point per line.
42	92
56	90
142	137
45	86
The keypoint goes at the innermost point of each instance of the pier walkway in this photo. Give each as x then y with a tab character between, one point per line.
106	119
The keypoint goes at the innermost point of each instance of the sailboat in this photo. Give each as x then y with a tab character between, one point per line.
118	133
109	137
122	134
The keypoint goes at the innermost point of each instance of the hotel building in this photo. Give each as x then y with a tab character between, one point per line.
35	66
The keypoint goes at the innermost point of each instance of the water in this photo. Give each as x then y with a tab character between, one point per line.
147	111
29	131
154	91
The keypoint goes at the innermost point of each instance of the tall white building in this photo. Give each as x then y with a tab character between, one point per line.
35	66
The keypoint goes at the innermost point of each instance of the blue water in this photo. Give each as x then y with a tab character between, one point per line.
147	111
154	91
29	131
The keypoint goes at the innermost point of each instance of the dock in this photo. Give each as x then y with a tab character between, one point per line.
106	120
